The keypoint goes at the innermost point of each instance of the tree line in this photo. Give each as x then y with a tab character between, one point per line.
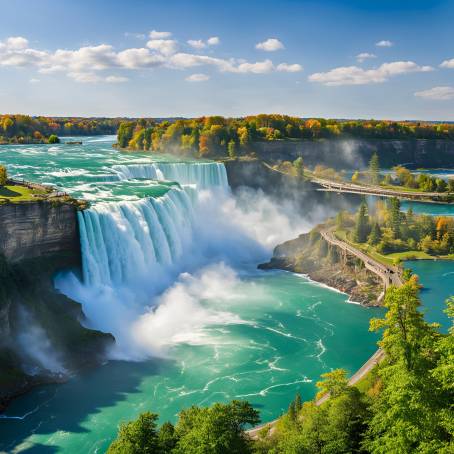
28	129
217	135
404	405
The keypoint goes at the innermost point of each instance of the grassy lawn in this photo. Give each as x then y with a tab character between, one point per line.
19	193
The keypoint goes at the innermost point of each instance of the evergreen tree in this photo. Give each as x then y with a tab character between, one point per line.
374	169
395	217
299	167
362	227
3	175
375	234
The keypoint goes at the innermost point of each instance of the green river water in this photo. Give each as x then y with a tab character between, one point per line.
260	336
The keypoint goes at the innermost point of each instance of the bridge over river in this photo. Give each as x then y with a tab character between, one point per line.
390	276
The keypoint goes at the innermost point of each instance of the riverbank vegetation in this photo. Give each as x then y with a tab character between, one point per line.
402	179
404	405
27	129
388	232
220	136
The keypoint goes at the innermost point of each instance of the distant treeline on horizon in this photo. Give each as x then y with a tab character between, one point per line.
217	135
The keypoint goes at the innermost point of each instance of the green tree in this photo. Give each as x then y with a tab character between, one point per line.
137	437
298	164
53	139
231	149
3	175
375	235
362	227
395	216
407	411
334	383
374	169
218	429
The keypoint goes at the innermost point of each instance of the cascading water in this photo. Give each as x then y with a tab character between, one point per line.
204	175
125	241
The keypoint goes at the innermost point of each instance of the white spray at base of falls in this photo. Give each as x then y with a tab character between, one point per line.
133	251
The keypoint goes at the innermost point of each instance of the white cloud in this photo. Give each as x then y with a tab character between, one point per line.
159	35
163	46
136	58
448	64
437	93
260	67
34	81
197	43
354	75
213	41
384	43
270	45
285	67
198	77
364	56
87	64
201	44
17	42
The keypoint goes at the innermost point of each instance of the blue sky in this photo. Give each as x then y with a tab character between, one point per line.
342	59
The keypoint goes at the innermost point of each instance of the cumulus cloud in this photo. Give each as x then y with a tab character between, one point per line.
448	64
384	43
163	46
17	42
213	41
159	35
87	63
201	44
354	75
364	56
270	45
285	67
198	77
437	93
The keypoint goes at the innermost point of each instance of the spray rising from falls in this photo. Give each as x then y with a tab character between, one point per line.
204	175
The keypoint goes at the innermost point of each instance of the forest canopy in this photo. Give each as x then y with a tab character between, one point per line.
216	135
28	129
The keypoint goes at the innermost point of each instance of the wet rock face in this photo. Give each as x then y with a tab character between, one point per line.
37	230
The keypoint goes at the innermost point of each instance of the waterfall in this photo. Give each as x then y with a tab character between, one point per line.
203	174
125	241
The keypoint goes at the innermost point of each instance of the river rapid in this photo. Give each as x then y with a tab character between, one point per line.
169	267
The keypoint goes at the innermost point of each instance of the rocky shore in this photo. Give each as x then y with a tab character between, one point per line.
310	254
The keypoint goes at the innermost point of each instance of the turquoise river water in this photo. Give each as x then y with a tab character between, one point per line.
169	267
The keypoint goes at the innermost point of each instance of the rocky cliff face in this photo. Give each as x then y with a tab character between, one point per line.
42	337
309	254
37	230
356	153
